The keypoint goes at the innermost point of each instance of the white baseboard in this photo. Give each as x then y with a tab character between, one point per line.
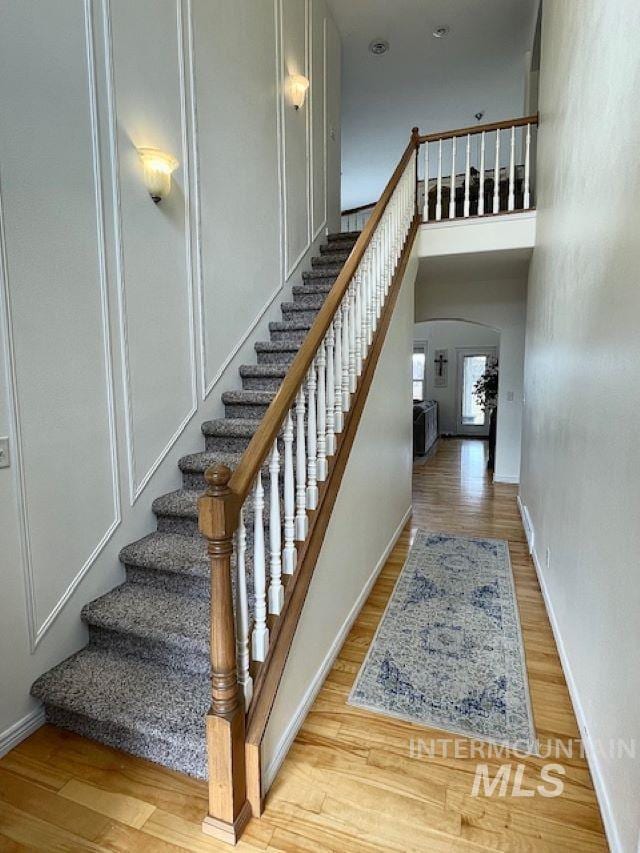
526	523
269	773
505	478
591	753
22	729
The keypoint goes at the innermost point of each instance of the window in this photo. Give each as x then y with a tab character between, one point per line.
418	371
473	368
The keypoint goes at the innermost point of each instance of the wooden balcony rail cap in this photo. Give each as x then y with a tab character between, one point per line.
479	128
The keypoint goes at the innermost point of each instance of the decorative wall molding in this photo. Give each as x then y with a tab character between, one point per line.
21	730
315	233
136	488
36	633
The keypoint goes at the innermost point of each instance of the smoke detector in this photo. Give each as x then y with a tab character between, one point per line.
378	47
441	32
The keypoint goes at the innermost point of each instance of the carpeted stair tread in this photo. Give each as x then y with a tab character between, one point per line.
330	259
181	503
133	694
277	346
176	620
289	326
266	371
169	552
197	463
334	246
248	398
240	427
322	272
339	236
313	287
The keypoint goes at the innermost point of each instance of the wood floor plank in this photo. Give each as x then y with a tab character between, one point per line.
350	783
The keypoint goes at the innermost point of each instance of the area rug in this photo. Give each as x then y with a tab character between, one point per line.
448	652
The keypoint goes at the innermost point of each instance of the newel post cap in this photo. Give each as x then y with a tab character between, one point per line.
217	478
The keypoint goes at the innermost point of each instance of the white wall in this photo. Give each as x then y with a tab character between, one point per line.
437	84
122	321
450	335
489	288
373	503
580	462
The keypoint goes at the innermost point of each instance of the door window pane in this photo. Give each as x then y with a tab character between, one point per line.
473	368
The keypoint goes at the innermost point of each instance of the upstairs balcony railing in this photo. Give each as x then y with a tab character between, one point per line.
457	172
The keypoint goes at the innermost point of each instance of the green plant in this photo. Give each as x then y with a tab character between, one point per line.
486	388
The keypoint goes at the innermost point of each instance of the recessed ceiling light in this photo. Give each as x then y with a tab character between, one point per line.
378	47
441	32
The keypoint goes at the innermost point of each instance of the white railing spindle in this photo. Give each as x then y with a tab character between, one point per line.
467	177
289	555
439	184
330	389
527	169
481	187
242	613
301	470
345	353
312	439
512	169
425	213
337	379
452	196
353	375
276	590
260	637
496	176
358	318
321	363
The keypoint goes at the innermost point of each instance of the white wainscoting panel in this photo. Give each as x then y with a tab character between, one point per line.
57	345
318	123
148	108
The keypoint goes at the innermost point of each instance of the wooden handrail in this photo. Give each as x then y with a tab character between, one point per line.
479	128
262	441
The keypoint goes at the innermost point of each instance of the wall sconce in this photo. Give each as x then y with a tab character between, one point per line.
298	86
158	167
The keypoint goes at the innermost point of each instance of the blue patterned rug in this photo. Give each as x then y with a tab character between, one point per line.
448	652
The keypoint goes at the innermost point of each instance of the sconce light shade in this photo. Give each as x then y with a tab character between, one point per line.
298	86
158	167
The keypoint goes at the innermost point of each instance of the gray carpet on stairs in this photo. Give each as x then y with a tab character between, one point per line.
142	683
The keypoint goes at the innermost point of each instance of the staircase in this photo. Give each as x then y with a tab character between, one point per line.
143	683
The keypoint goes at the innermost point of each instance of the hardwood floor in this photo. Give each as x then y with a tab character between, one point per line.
349	783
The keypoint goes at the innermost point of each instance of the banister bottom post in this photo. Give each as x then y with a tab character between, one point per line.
229	809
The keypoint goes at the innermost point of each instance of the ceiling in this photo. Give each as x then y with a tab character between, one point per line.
436	84
475	266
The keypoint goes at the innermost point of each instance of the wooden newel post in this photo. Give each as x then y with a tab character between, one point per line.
415	138
229	809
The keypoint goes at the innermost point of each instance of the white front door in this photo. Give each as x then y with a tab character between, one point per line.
472	362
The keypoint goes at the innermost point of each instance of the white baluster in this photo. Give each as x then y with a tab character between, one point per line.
321	363
346	397
276	590
301	470
242	613
289	554
496	176
260	638
337	378
481	187
360	275
425	213
439	184
452	197
512	170
467	177
353	376
527	169
312	439
330	387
